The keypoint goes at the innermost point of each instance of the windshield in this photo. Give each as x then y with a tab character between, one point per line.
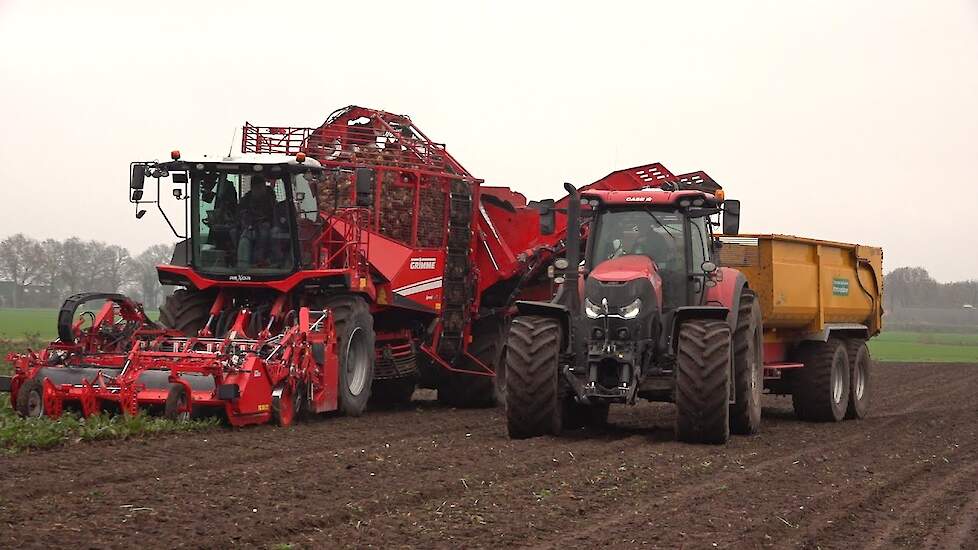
657	234
243	222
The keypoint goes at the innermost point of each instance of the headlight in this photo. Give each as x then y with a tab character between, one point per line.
592	311
631	310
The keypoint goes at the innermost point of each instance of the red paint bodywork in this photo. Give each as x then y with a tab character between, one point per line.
628	268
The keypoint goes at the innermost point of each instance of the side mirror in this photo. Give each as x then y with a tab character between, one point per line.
180	177
138	176
731	217
137	195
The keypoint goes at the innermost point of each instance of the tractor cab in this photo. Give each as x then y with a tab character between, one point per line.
248	217
657	239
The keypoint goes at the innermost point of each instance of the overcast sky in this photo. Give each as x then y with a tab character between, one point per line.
849	120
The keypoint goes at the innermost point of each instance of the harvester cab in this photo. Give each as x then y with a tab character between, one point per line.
647	313
245	218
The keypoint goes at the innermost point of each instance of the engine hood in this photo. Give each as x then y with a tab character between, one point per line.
625	268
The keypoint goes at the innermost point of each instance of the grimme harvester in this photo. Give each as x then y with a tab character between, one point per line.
319	267
650	314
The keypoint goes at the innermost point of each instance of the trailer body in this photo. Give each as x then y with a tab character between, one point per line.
808	289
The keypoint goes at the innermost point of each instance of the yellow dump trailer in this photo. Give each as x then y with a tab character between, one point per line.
820	302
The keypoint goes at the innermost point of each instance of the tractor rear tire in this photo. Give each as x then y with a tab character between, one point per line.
703	382
535	398
186	310
30	399
748	345
356	339
473	391
859	380
820	391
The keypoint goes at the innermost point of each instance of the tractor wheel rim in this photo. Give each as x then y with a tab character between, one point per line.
838	384
357	362
859	381
35	404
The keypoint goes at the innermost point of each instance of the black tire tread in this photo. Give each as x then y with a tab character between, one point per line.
811	394
745	410
474	391
533	399
703	382
855	348
186	310
347	309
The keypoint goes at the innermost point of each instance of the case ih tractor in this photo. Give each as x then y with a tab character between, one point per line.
647	314
320	267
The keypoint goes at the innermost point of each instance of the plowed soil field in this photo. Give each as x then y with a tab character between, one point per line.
431	476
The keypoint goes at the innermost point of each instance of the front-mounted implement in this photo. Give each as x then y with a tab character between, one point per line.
115	359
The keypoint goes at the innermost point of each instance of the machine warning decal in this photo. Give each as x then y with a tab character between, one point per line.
840	286
422	263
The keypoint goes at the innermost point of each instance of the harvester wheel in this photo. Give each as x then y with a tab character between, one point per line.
30	399
186	310
820	391
703	382
176	399
355	339
471	391
534	395
284	406
748	344
859	380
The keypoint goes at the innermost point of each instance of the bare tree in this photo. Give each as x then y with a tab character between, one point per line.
20	261
145	284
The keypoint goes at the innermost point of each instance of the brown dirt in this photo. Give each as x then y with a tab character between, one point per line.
437	477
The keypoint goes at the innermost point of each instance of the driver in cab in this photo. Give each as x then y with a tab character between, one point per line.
257	211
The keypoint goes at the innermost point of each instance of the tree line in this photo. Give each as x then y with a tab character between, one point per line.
913	287
42	273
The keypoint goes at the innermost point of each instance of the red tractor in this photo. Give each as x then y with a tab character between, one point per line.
319	268
646	314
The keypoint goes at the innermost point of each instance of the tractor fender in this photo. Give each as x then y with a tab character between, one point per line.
547	309
681	314
730	285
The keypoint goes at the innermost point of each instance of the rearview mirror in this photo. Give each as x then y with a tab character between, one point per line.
731	217
138	176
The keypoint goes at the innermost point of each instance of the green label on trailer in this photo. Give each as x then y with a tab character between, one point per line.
840	287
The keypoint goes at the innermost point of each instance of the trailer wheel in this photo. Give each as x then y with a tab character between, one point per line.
356	338
176	399
30	399
471	391
703	382
859	380
748	345
186	310
820	391
534	396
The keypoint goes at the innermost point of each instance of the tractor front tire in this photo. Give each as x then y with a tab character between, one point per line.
820	391
748	344
355	338
472	391
703	382
186	310
535	403
859	379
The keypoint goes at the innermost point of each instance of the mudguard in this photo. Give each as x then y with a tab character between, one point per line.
730	285
547	309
